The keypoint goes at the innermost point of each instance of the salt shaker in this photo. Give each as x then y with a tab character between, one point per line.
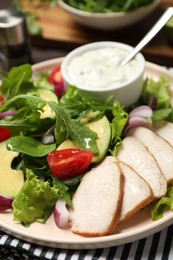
14	45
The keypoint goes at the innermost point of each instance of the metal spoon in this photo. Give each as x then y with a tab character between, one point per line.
153	31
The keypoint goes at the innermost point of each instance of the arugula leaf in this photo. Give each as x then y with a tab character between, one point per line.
38	165
82	136
29	146
77	105
19	101
63	190
35	201
26	120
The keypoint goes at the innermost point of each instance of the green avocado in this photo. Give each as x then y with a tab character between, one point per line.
103	131
48	96
11	180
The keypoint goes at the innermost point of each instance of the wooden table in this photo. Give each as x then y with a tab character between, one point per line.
60	31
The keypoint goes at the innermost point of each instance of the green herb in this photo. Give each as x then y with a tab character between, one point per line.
105	6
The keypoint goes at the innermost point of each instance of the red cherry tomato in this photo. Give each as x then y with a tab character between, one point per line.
4	134
55	79
68	163
1	100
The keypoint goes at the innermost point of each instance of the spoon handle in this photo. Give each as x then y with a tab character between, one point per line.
153	31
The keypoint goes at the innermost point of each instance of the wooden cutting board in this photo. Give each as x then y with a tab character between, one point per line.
60	31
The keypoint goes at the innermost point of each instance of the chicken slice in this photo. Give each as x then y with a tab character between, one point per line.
137	192
97	201
165	130
136	155
160	149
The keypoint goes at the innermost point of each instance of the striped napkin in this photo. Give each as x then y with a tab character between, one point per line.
157	246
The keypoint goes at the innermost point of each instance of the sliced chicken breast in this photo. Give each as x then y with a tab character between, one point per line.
97	201
136	155
165	130
160	149
137	192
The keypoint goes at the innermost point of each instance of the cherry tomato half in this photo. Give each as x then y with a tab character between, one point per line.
55	79
4	134
68	163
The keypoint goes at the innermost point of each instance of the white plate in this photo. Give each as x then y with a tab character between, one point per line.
137	227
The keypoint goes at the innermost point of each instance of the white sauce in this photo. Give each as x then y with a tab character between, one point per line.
100	68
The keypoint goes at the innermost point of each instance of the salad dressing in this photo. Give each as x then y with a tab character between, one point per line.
101	68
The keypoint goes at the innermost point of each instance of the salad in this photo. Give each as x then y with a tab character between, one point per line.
49	138
105	6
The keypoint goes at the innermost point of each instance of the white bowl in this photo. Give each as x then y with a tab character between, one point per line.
127	92
108	21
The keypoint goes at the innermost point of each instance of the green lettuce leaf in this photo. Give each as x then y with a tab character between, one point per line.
35	201
159	89
166	201
117	125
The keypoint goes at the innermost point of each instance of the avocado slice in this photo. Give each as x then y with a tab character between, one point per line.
11	180
48	96
103	131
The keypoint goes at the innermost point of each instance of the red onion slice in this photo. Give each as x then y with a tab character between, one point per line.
58	88
136	121
5	203
141	111
153	102
61	214
7	113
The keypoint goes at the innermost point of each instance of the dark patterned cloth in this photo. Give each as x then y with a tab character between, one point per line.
157	246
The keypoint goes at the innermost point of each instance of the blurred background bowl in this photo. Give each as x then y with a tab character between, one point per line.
127	90
108	21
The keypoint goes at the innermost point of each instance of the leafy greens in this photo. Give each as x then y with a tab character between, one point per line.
41	189
35	201
21	94
105	6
